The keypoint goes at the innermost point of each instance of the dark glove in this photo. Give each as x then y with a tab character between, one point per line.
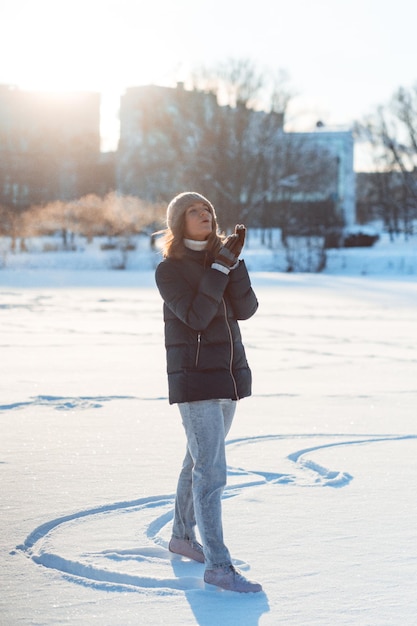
238	243
232	247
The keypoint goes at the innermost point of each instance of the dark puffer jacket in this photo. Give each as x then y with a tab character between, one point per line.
205	355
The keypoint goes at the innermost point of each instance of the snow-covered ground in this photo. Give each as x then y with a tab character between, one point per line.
320	506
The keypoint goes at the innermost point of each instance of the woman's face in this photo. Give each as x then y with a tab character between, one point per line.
198	222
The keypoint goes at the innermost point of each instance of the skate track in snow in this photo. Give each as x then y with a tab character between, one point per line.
116	569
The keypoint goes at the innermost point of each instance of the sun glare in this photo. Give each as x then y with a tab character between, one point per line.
96	47
102	46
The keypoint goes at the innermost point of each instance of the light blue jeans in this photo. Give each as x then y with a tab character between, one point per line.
203	477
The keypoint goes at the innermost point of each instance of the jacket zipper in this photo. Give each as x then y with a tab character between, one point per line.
231	349
198	349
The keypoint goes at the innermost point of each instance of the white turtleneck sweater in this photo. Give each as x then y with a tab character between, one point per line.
199	246
192	244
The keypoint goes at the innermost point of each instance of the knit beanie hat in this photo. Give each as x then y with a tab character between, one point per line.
181	203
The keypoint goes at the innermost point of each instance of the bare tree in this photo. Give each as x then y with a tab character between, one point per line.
13	225
392	134
225	137
242	134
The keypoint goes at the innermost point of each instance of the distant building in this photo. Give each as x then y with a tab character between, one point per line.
49	146
159	128
169	138
340	143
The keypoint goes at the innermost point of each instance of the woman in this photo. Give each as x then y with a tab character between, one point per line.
206	289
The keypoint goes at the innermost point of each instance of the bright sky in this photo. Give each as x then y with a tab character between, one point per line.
343	57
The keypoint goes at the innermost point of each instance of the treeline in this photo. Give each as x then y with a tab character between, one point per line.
390	191
224	135
113	216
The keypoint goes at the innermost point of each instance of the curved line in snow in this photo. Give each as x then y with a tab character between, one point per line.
103	578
